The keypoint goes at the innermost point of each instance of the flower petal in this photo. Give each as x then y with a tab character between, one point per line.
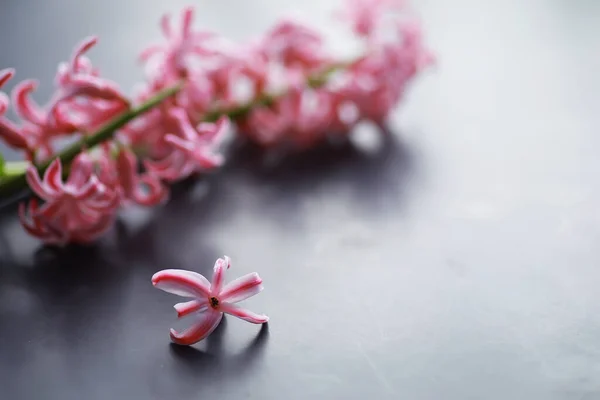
53	176
24	106
189	307
3	103
241	313
242	288
5	75
165	25
36	185
219	275
150	52
12	134
186	21
80	49
182	283
201	329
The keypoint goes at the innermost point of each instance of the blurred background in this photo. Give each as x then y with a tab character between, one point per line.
456	260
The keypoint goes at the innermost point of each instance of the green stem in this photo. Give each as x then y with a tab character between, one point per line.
13	175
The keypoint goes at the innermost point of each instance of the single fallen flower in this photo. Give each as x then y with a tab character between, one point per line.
211	300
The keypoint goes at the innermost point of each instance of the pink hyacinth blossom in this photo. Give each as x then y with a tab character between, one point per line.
132	185
174	56
78	210
39	126
365	15
210	299
295	45
78	79
192	150
9	132
53	233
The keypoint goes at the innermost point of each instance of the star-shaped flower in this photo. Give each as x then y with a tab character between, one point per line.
211	300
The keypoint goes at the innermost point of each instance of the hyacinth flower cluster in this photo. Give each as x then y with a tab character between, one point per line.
128	150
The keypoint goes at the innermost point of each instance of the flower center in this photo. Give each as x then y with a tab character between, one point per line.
214	302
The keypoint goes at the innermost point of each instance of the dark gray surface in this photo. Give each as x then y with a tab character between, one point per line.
459	262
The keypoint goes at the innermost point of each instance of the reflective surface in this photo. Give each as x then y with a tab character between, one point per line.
459	261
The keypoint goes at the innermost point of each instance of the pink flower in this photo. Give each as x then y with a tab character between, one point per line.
132	184
302	118
9	132
78	210
39	127
211	300
122	175
78	79
82	101
366	15
377	82
267	126
174	56
192	150
295	45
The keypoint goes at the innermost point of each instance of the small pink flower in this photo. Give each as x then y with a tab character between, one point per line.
82	101
302	118
366	15
9	132
174	56
132	185
211	300
295	45
267	126
79	79
39	126
192	150
80	209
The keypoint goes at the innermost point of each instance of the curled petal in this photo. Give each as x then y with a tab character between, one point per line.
182	283
204	327
242	288
5	75
3	103
53	176
156	191
82	48
36	185
12	134
219	275
36	227
94	87
189	307
246	315
24	106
